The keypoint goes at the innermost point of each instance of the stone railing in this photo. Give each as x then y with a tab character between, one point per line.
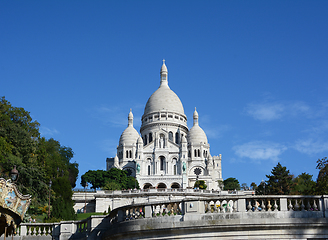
155	190
247	209
85	229
136	211
225	217
307	206
264	203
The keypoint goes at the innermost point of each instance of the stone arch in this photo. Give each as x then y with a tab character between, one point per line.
150	137
177	140
174	161
171	136
162	163
161	185
147	186
175	185
145	139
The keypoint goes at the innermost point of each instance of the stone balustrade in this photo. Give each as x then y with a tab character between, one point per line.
303	216
223	216
63	230
100	200
224	204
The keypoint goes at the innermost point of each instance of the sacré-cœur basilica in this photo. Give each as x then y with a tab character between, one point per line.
166	154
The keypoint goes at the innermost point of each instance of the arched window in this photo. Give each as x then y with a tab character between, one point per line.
148	170
130	154
177	138
147	186
195	153
162	163
150	137
127	154
198	153
175	169
161	185
171	136
145	140
189	153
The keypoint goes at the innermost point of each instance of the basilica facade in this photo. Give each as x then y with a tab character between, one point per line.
166	153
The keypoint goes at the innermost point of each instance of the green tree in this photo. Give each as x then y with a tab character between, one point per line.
260	189
244	186
253	186
221	184
38	160
102	179
303	185
280	182
111	186
62	206
231	184
322	180
200	184
132	183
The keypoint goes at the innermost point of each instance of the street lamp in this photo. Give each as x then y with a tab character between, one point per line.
85	198
49	199
14	174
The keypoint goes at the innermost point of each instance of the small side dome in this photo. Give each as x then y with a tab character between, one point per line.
196	134
140	141
130	134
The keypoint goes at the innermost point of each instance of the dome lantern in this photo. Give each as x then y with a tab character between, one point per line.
196	134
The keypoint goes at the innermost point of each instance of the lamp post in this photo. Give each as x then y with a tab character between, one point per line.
14	174
49	199
85	198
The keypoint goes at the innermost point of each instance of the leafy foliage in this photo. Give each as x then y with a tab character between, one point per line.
304	185
113	179
280	182
322	180
200	184
38	160
231	184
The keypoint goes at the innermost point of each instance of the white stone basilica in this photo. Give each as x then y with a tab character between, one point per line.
166	154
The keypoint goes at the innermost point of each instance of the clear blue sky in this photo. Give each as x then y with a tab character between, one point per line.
257	71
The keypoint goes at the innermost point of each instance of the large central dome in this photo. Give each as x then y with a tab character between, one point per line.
164	98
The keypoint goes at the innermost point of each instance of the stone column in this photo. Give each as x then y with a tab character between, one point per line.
325	205
241	204
283	204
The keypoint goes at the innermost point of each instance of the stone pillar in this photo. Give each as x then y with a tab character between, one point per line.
23	230
66	230
283	204
148	213
325	205
241	204
192	210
